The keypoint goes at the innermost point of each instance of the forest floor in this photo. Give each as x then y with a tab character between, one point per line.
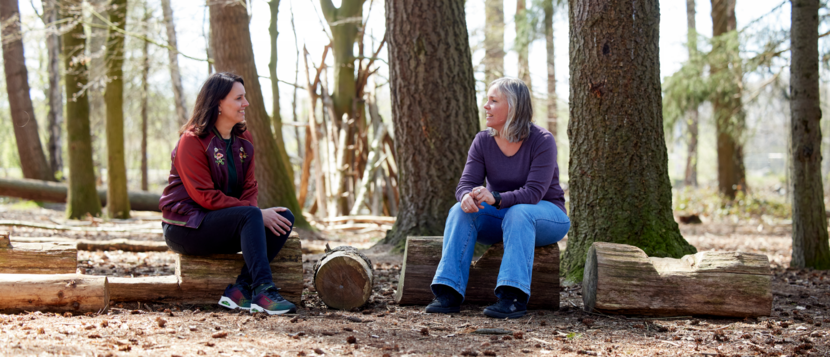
799	325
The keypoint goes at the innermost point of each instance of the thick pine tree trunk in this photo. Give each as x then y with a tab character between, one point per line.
493	40
619	182
433	108
728	109
83	196
552	115
523	42
233	52
690	177
810	240
55	92
32	160
173	57
118	202
276	117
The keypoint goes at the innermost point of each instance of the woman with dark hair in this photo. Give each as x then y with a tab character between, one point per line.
522	205
210	203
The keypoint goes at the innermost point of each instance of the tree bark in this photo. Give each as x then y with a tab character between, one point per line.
32	160
145	92
690	177
810	239
619	182
36	258
276	117
553	117
493	40
55	92
429	56
118	201
727	106
234	53
83	196
344	23
522	44
173	56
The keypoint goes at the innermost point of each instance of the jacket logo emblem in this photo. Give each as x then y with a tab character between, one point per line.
220	157
242	155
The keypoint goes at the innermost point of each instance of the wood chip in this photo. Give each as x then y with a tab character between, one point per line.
220	334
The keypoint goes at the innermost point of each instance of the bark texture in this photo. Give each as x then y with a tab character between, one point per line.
233	52
55	93
173	56
810	239
522	42
433	109
32	160
619	182
36	258
690	177
83	196
553	117
118	201
344	23
493	40
728	109
72	293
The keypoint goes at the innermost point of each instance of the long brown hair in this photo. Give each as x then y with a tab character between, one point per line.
206	109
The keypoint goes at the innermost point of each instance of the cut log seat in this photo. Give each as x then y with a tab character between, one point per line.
343	278
422	255
203	278
622	279
53	293
36	258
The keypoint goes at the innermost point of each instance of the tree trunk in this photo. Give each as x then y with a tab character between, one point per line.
145	92
728	109
54	93
493	40
616	131
83	196
810	239
552	114
276	117
32	160
522	44
344	23
690	178
429	56
118	201
173	56
233	52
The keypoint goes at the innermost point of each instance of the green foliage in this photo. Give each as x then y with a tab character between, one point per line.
574	336
707	202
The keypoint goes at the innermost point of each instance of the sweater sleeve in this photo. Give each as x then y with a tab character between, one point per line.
474	170
192	166
250	188
542	167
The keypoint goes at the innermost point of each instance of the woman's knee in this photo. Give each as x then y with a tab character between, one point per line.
288	214
251	214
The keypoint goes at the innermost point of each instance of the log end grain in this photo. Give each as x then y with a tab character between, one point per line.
344	280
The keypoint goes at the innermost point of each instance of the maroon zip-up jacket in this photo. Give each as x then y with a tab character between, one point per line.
200	172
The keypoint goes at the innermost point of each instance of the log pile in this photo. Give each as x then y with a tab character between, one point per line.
36	258
53	293
423	254
343	278
622	279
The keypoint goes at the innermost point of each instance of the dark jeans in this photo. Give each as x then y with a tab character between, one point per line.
228	231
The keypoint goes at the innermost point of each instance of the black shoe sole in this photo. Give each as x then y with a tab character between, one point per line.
442	310
501	315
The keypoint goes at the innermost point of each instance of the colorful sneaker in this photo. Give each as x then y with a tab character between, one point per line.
236	296
267	299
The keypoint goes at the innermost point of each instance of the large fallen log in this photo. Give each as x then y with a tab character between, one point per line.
46	191
343	278
126	245
156	288
53	293
422	255
622	279
36	258
204	278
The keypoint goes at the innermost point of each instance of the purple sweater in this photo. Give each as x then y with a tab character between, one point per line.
529	176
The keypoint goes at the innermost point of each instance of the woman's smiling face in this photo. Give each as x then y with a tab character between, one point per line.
496	109
232	108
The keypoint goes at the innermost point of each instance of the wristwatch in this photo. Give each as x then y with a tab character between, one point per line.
497	197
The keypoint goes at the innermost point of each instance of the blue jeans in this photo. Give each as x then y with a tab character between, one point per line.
521	227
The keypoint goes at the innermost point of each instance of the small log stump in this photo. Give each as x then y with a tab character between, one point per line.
423	254
53	293
36	258
204	278
343	278
622	279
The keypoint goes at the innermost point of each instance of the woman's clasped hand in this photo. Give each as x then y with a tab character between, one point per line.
278	224
473	201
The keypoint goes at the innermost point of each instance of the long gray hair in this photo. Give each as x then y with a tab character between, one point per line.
519	109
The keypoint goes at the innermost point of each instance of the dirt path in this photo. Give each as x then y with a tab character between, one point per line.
800	323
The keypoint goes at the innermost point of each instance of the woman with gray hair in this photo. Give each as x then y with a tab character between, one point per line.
522	204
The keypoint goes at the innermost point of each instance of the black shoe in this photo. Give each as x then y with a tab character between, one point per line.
512	304
446	302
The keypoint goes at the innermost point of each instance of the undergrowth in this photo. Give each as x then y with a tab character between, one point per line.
706	201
